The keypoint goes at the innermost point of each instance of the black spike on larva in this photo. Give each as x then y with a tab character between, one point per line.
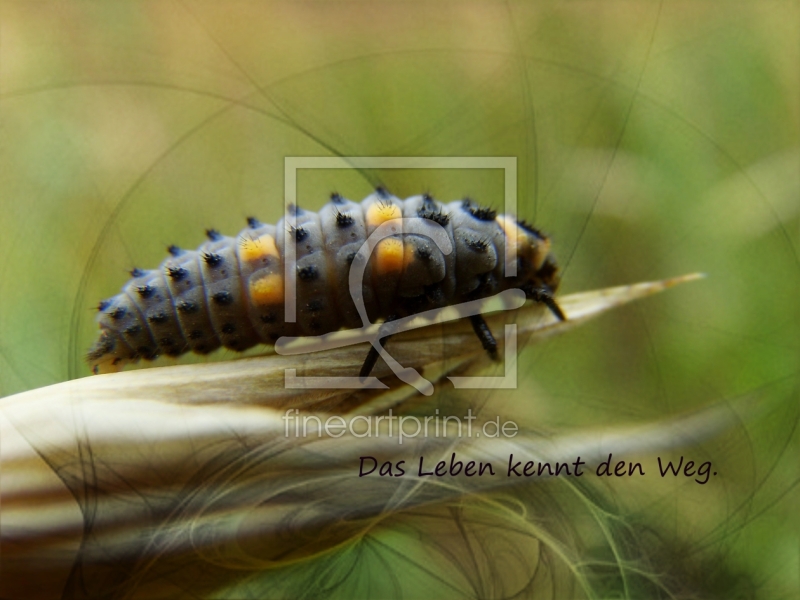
213	235
177	273
253	223
299	233
294	210
336	198
530	229
174	250
117	313
381	192
135	273
423	253
187	307
308	273
222	298
169	346
479	246
146	291
479	212
433	214
102	305
212	259
147	353
343	220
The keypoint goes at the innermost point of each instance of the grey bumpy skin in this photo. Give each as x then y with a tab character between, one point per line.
202	299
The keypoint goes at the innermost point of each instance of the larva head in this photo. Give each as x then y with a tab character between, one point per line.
536	265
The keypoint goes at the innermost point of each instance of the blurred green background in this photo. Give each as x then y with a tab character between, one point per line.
653	140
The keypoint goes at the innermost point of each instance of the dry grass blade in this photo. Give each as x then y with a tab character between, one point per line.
133	470
261	380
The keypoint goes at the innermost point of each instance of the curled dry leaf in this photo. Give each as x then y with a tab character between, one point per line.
121	481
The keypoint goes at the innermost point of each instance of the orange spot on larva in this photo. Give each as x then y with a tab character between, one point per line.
409	254
522	243
389	256
379	213
267	289
515	238
252	249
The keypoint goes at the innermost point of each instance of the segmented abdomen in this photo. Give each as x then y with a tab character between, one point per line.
230	291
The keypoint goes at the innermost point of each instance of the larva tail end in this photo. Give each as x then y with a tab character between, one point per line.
102	357
110	364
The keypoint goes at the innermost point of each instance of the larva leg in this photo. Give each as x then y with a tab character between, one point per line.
372	355
484	335
546	297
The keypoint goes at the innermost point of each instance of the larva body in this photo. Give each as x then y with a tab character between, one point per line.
230	291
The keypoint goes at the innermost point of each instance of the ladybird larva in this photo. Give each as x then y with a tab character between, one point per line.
230	291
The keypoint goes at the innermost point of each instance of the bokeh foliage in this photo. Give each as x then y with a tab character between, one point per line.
653	139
